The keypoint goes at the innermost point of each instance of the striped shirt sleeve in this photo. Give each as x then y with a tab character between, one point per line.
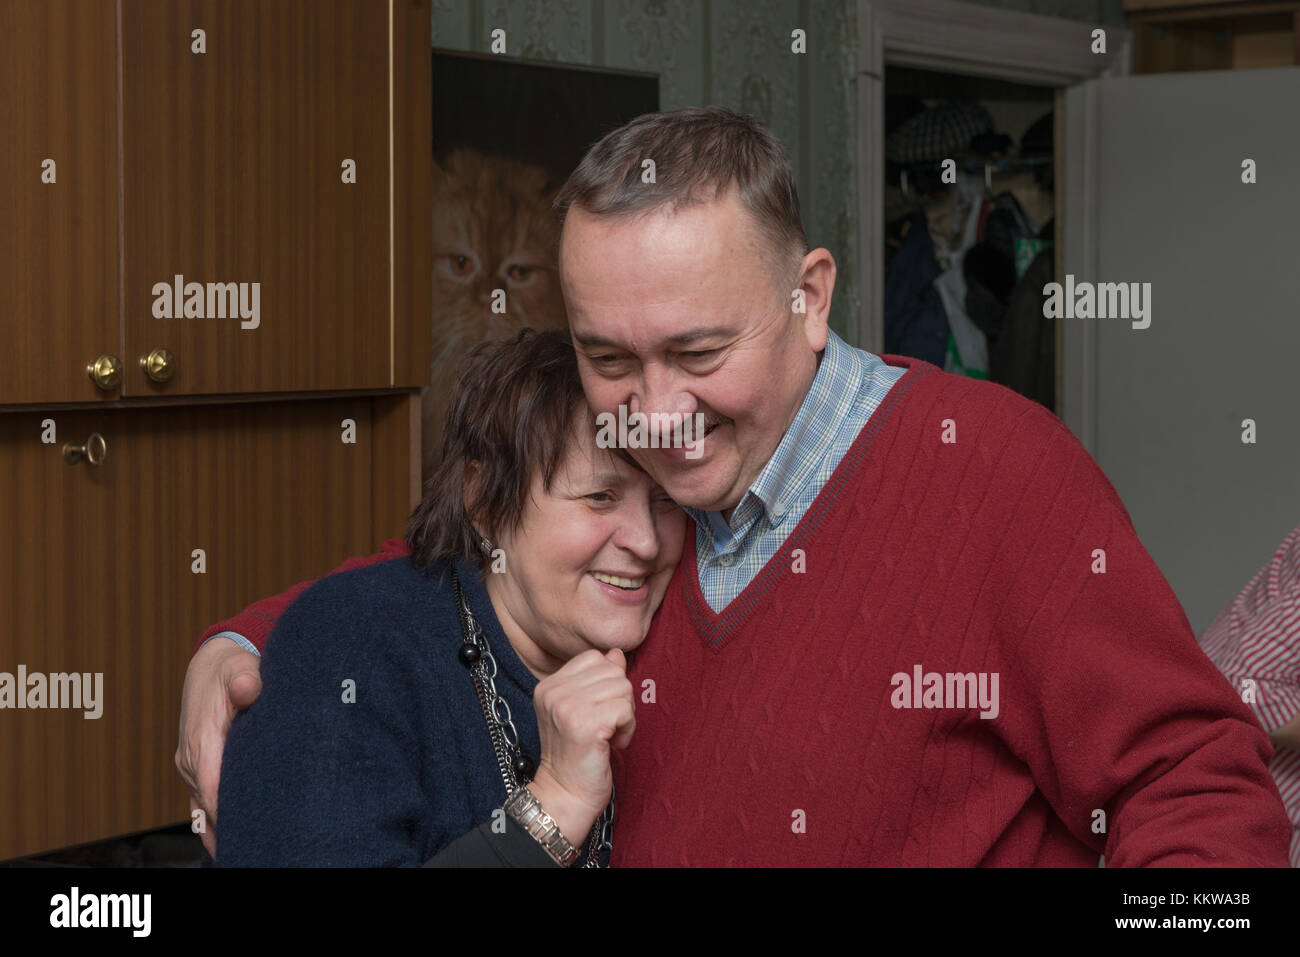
1255	642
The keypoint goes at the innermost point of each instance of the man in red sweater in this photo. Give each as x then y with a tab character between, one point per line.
914	625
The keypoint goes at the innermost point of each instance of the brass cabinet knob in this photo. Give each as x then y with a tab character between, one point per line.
158	365
105	372
94	451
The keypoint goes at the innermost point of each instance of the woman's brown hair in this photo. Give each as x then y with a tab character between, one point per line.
512	418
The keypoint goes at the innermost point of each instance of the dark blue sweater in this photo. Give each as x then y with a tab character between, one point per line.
392	779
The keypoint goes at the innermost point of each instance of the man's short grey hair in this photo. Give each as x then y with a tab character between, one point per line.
698	154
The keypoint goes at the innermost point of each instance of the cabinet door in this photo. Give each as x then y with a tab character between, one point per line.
117	568
241	122
58	198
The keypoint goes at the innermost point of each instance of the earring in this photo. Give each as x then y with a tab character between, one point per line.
485	546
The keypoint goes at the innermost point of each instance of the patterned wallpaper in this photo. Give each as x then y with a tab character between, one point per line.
733	53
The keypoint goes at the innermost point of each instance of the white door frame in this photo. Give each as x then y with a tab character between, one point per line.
954	37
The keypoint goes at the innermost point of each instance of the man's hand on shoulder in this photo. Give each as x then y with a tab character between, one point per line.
222	680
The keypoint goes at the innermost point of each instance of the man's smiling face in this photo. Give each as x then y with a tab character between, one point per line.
690	311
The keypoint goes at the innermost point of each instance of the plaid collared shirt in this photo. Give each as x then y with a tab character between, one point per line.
849	386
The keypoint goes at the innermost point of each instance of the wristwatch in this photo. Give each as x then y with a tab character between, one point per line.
524	807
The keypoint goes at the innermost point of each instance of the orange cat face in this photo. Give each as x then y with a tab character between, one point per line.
493	229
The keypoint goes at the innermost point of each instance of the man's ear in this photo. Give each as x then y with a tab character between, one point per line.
817	283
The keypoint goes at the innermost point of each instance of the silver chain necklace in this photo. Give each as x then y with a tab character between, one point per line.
515	768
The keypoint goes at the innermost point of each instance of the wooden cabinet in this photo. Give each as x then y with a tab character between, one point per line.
234	170
241	202
58	198
223	163
1172	36
116	568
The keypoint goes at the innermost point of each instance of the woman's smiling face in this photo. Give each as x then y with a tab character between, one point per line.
590	560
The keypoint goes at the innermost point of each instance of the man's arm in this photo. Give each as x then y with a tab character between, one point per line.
1109	698
255	623
1139	725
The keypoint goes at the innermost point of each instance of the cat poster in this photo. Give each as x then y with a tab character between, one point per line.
506	134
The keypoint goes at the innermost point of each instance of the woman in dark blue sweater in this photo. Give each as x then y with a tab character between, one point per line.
459	706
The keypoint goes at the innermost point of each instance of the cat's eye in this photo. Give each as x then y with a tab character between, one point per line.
519	273
461	266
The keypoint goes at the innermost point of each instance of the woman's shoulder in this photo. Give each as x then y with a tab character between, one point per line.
387	601
389	585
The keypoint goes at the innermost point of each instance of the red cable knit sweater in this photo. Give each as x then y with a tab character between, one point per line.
965	532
